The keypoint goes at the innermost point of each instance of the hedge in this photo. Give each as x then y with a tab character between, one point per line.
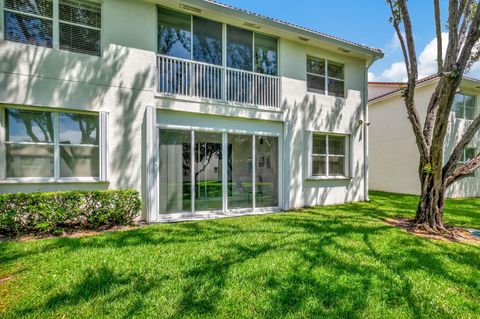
57	212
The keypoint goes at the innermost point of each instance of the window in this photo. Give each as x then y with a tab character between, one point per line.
33	22
239	48
328	155
52	145
190	37
207	41
29	21
174	33
468	154
265	54
80	25
325	77
464	106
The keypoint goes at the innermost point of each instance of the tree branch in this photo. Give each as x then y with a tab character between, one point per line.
471	39
464	170
400	13
466	12
464	141
396	25
412	54
438	32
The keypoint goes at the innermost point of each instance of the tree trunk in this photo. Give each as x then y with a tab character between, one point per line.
431	204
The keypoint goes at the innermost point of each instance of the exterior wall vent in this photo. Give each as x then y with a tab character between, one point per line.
251	25
190	8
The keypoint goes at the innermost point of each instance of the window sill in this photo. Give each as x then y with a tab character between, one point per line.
328	178
343	98
14	181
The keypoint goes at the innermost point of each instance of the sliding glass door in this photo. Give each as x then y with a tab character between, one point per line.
240	171
208	171
266	153
192	167
175	171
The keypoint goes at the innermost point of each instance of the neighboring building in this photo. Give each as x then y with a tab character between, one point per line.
204	108
394	156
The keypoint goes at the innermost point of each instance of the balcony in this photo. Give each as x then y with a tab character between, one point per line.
180	77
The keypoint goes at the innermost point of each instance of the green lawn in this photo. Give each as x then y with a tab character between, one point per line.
338	261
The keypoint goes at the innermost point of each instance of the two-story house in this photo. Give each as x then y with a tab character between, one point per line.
393	152
206	109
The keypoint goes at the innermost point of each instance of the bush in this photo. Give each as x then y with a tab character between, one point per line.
56	212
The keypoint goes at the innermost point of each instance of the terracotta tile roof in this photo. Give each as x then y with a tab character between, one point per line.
422	80
376	50
387	83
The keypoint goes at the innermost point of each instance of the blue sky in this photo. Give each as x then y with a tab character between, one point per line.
360	21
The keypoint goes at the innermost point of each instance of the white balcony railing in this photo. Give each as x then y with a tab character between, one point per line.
201	80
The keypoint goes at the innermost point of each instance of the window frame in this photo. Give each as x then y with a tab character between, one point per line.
55	19
254	133
474	98
327	155
3	9
325	76
463	156
102	146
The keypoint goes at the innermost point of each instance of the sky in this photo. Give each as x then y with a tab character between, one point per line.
364	22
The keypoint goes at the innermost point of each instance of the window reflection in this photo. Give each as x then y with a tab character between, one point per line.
239	48
207	41
29	126
266	151
78	128
208	171
240	171
265	54
25	22
175	171
174	33
31	151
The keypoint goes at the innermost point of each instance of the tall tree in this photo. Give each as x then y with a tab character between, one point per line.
462	50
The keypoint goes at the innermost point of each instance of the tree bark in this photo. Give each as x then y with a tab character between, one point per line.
429	215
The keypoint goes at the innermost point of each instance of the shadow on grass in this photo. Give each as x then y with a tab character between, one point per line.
334	261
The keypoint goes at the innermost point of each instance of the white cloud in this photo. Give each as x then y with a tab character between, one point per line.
427	63
393	45
427	60
395	73
371	76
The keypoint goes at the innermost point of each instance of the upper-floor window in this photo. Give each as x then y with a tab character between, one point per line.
464	106
33	22
325	77
190	37
51	145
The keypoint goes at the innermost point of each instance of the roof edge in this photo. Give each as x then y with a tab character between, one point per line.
376	53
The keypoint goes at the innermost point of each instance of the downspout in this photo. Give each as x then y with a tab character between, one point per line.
366	124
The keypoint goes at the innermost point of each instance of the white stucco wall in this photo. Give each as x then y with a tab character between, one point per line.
122	83
394	158
308	111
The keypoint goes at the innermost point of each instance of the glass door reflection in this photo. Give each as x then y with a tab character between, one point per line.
208	171
266	152
174	171
240	169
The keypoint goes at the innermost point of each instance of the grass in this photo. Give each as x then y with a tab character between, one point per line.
328	262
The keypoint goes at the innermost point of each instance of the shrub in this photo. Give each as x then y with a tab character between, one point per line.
56	212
